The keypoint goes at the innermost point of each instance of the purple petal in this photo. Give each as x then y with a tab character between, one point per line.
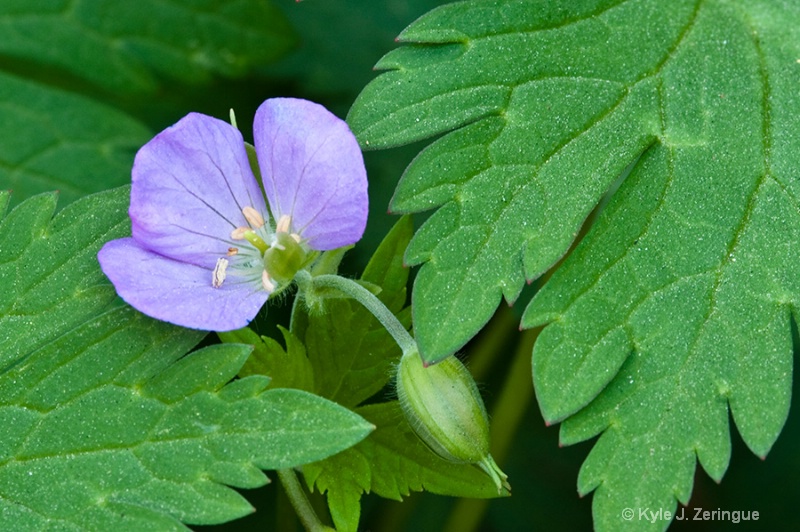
179	292
190	184
312	170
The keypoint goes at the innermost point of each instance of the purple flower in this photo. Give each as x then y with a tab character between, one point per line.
203	252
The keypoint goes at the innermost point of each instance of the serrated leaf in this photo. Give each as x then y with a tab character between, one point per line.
125	47
352	354
55	140
391	463
49	278
678	304
106	423
286	368
550	121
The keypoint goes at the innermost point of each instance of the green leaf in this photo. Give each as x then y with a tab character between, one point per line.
53	50
286	368
391	463
353	358
57	140
126	47
352	355
50	281
676	308
106	423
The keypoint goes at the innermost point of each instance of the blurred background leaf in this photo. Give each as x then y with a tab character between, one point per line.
65	65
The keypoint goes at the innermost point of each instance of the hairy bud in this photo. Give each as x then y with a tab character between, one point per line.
442	404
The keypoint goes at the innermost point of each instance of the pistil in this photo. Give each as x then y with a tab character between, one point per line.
245	233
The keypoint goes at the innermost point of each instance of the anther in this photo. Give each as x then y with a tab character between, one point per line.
219	273
253	217
238	233
266	282
232	251
284	222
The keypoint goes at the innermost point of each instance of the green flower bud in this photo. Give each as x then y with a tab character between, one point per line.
284	258
442	404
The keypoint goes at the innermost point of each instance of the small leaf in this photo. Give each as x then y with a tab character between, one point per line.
352	354
391	463
289	368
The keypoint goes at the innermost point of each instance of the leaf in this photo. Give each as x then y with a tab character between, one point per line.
50	281
286	368
106	423
677	305
353	358
59	58
352	355
58	140
391	462
125	47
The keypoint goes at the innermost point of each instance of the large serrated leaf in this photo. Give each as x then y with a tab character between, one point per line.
50	281
554	117
106	423
124	47
678	304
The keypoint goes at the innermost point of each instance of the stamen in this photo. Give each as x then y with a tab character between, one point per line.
219	273
245	233
238	233
253	217
284	222
296	237
232	251
266	282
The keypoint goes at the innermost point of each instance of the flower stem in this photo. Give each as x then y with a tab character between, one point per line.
300	502
370	302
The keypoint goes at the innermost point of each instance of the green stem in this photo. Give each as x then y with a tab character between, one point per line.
366	298
300	502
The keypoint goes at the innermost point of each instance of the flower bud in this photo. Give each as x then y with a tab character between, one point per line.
443	406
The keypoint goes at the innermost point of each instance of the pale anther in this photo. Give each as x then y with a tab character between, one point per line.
266	282
238	233
284	222
253	217
219	273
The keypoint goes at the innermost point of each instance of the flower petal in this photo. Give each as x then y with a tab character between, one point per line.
179	292
312	170
190	184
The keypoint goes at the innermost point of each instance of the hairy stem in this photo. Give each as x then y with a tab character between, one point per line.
366	298
300	502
